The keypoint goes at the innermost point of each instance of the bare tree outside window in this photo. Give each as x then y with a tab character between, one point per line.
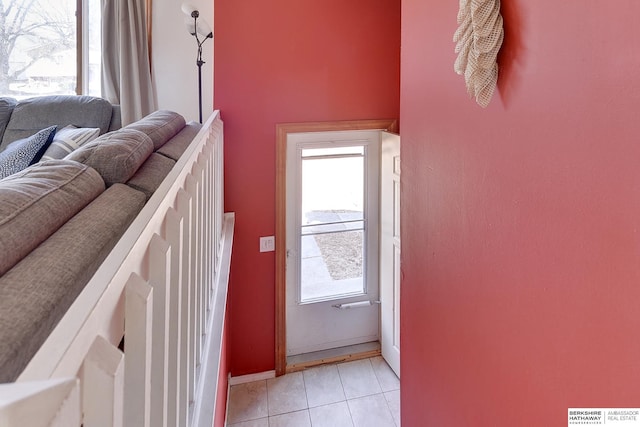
37	47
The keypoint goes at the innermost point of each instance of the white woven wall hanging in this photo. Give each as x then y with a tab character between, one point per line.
478	40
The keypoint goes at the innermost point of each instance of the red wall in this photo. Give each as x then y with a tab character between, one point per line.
288	61
520	222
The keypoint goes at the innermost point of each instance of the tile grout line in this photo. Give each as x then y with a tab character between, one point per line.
386	401
384	396
382	392
389	408
306	398
375	374
266	385
346	399
269	416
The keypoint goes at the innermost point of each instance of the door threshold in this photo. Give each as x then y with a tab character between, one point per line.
301	362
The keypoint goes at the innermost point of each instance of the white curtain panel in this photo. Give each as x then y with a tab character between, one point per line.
126	75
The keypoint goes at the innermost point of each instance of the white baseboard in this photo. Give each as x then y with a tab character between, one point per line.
252	377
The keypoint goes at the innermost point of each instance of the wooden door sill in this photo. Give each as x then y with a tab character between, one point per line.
301	362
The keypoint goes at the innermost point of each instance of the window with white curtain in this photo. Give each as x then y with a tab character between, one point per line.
49	47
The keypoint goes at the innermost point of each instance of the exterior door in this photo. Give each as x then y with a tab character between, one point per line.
390	249
332	190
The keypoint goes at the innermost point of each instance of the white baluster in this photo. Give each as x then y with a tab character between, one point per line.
137	364
173	232
159	271
185	206
191	185
103	385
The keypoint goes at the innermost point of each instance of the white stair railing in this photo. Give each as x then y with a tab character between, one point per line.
164	289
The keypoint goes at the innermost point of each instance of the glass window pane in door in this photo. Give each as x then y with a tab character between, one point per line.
332	224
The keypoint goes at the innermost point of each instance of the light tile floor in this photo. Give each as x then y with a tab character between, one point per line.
362	393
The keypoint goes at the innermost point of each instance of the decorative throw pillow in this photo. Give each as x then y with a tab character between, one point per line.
68	139
23	152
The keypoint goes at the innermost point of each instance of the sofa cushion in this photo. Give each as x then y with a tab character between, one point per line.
36	202
33	114
174	148
160	125
24	152
37	292
151	174
116	155
68	139
6	108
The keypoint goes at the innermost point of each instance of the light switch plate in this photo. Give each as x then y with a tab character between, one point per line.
267	244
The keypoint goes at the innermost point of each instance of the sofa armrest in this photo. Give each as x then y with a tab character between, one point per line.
116	118
6	108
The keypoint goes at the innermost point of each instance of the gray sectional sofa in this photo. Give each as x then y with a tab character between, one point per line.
19	119
59	219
